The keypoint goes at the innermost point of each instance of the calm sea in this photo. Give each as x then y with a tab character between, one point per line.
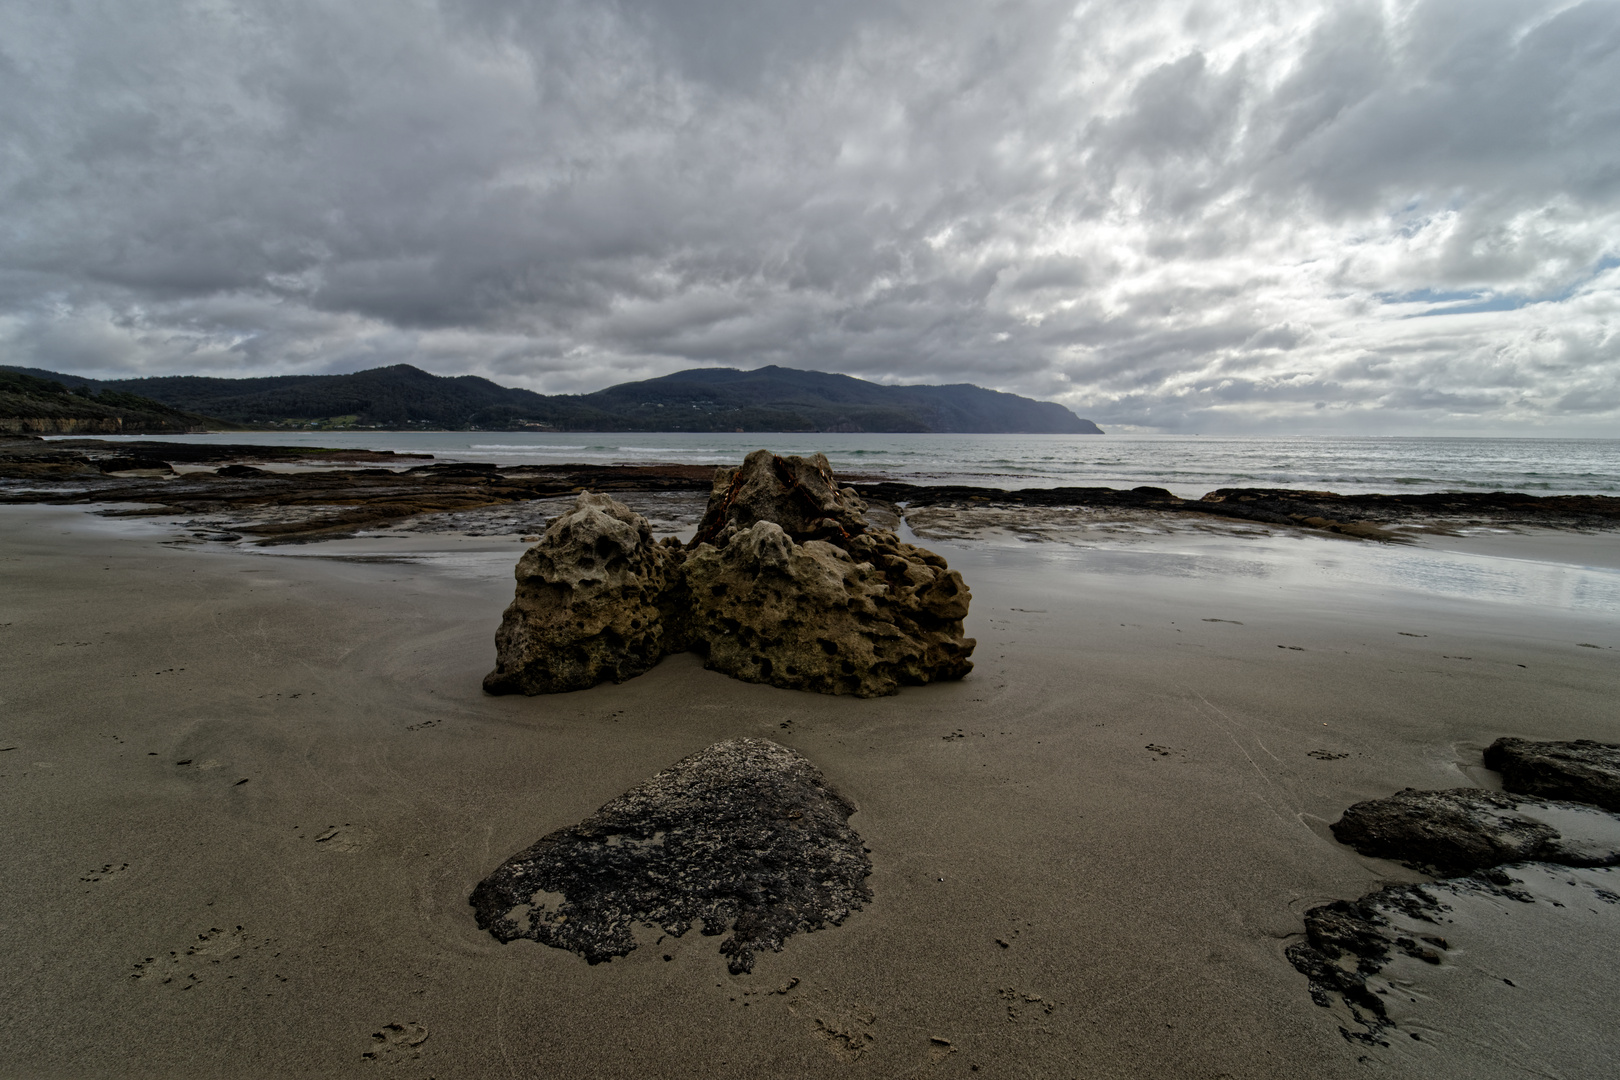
1187	465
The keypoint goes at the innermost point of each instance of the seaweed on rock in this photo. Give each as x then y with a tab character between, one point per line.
745	834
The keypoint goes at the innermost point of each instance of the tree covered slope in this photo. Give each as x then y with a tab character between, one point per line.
702	399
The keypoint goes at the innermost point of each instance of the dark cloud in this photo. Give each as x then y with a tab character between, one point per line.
1181	215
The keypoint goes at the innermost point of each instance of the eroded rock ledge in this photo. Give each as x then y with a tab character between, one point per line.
1583	770
745	834
786	583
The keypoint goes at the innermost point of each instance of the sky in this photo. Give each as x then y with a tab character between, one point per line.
1237	217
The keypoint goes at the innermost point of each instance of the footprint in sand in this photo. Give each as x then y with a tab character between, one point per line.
211	957
844	1029
1023	1006
393	1044
345	837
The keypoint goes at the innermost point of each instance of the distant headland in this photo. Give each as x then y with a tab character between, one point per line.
401	397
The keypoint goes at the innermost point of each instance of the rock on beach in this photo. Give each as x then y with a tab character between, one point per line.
594	603
745	834
1461	830
786	583
1582	770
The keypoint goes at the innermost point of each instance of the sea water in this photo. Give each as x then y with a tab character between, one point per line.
1187	465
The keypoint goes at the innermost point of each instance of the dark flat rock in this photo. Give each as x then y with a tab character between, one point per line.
1462	830
1579	771
745	834
1398	960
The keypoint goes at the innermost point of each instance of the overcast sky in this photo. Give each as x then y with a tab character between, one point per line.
1228	216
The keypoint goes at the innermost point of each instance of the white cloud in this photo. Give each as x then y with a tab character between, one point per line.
1179	215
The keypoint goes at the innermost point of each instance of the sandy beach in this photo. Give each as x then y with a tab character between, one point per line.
249	791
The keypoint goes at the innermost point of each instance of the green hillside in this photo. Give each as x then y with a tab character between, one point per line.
703	399
30	404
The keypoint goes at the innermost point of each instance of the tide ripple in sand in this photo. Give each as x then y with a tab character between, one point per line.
745	833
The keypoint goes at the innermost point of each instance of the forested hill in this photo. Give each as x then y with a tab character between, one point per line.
702	399
43	403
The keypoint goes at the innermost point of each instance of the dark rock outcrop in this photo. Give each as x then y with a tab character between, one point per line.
593	603
1552	817
138	463
1347	941
744	834
786	583
1462	830
1579	771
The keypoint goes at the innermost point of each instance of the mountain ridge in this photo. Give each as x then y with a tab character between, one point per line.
699	399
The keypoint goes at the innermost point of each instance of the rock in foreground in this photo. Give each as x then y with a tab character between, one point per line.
1579	771
745	833
786	583
1429	969
1462	830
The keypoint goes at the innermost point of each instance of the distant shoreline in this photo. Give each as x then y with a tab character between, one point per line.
284	494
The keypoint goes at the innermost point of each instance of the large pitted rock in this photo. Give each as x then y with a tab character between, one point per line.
1581	771
1461	830
785	583
594	602
745	833
864	620
796	493
791	586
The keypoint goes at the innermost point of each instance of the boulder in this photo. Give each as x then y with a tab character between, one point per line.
745	834
1579	771
791	585
1462	830
864	620
798	494
595	602
786	583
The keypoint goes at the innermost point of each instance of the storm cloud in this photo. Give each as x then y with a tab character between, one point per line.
1398	216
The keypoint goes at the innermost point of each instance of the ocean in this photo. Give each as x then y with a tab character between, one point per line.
1187	465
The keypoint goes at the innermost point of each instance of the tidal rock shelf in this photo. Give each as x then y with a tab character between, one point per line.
1583	770
1495	851
1412	963
745	835
317	501
1461	830
786	583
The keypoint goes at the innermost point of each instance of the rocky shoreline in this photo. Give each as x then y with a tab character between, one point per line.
1554	825
291	494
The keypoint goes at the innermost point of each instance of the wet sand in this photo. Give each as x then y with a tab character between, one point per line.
1088	856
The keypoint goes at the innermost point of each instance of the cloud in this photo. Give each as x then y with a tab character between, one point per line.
1179	215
